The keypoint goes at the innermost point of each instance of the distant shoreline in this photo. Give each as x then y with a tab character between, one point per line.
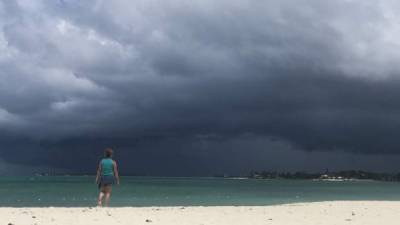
219	177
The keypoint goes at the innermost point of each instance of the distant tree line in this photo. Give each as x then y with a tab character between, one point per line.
347	174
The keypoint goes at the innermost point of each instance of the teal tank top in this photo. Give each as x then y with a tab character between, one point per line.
107	167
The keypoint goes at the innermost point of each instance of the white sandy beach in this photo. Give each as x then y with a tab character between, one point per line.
332	213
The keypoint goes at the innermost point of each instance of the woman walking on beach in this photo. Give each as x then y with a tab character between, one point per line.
107	175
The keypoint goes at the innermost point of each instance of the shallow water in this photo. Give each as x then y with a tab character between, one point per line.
153	191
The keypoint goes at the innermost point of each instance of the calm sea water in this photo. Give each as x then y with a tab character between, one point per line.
146	191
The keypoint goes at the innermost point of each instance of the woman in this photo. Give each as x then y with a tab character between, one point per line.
107	174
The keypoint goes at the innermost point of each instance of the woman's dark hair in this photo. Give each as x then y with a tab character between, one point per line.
108	152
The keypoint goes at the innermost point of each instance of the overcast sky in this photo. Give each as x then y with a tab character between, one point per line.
200	87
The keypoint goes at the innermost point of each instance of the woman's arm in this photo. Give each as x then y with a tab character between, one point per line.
98	173
116	172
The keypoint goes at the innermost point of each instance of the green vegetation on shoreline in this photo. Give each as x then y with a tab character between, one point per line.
339	175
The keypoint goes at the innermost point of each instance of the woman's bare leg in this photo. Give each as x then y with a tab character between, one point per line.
108	199
100	199
107	194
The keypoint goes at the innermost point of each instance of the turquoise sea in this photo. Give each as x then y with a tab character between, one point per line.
154	191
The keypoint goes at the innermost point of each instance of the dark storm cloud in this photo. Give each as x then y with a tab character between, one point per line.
83	74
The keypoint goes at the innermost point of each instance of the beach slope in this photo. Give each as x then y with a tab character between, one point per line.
323	213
